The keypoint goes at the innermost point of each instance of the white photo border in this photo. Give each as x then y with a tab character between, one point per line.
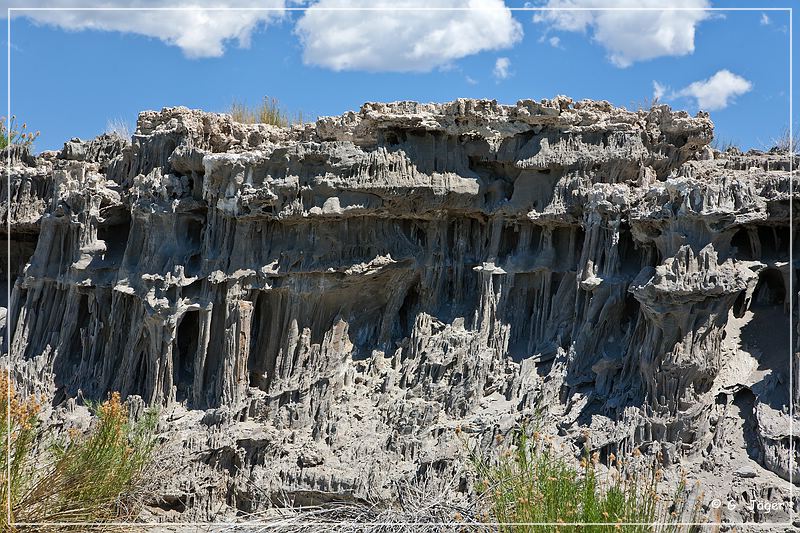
7	340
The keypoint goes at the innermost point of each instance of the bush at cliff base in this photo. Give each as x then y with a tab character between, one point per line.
78	478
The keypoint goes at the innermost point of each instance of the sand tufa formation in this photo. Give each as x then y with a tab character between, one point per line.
318	308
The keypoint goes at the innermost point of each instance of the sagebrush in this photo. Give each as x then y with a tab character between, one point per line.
11	133
78	478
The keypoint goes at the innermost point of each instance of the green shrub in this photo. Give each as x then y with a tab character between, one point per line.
533	484
87	478
269	111
14	134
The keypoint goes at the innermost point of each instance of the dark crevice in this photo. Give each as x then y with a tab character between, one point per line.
185	355
408	311
741	241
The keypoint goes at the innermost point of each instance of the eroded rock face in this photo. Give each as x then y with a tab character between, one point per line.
318	308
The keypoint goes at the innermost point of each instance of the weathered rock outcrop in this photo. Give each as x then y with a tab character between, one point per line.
319	307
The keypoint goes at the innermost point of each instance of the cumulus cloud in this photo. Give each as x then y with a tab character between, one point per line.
402	41
198	33
554	41
716	92
630	35
501	67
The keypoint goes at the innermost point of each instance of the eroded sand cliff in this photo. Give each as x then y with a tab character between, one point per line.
319	308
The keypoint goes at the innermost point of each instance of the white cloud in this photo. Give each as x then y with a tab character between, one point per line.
658	90
471	80
716	92
766	20
501	67
631	35
198	33
554	41
403	41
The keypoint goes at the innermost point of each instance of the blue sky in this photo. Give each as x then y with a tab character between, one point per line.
70	80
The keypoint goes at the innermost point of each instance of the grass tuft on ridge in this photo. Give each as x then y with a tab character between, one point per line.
269	111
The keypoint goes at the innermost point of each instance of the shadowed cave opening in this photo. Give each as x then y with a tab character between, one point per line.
194	232
406	315
774	241
509	241
193	237
631	257
770	289
268	316
115	236
741	241
196	185
630	311
770	292
391	137
183	365
22	248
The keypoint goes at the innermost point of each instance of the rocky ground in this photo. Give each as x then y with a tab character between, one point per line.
331	311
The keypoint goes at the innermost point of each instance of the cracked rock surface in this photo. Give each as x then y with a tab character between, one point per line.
318	308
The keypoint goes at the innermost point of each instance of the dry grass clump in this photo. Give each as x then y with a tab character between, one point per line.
118	127
723	144
13	134
423	505
784	142
532	484
82	478
646	103
269	111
